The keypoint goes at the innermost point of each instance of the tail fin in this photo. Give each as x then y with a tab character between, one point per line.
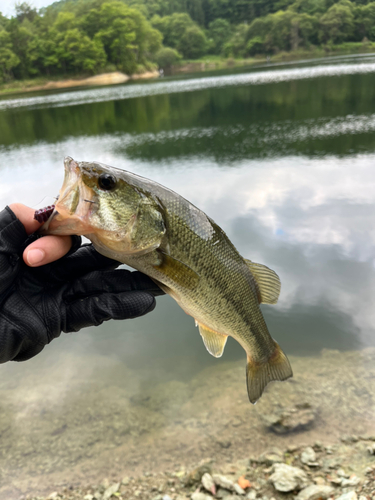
258	375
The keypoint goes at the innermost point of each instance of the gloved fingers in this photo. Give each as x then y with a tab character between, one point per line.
85	260
47	249
92	311
12	237
111	281
141	281
26	216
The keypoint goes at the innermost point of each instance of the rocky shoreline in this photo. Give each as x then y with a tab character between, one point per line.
343	471
82	419
113	78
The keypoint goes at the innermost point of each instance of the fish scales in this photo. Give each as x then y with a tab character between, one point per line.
158	232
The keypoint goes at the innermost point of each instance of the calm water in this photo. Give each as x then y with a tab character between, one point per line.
282	158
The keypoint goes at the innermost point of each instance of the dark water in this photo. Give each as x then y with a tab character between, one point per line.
282	158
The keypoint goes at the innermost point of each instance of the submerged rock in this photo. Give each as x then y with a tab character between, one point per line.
287	478
298	418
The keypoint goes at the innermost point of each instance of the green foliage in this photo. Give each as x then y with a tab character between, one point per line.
193	43
25	11
255	46
311	7
86	36
172	28
236	46
365	21
8	59
166	57
219	31
337	24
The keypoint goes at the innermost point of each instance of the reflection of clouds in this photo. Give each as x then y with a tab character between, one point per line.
309	219
256	137
230	144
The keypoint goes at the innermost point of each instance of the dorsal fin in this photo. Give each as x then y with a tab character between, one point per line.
267	280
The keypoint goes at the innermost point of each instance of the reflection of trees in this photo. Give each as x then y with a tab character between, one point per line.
240	118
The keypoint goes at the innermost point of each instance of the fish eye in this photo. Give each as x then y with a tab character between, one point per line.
107	181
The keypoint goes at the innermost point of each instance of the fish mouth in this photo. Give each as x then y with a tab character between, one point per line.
76	202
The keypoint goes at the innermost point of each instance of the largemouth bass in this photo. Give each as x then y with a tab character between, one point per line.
149	227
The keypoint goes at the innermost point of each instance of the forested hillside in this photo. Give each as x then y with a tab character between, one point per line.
90	36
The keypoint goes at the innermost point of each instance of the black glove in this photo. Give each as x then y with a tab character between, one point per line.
81	289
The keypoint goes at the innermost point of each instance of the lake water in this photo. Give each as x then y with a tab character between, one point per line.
283	159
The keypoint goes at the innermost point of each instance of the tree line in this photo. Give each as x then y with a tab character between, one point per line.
90	36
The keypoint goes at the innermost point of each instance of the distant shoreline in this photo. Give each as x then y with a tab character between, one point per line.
206	64
112	78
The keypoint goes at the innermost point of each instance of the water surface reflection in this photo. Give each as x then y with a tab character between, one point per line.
286	169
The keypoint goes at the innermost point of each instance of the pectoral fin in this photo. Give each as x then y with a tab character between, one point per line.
268	282
214	341
177	271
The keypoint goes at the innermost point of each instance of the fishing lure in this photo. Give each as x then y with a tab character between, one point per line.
43	214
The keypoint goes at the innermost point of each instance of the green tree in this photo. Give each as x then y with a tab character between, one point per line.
166	57
127	37
20	37
311	7
175	27
8	59
76	52
219	31
236	46
25	11
193	43
365	21
284	30
337	24
255	46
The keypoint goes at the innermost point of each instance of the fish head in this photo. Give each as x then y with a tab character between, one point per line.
103	204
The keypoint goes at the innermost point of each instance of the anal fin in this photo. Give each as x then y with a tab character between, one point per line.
214	341
259	375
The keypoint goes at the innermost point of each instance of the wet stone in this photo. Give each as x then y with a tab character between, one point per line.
351	481
308	457
111	490
200	496
351	495
196	474
315	492
271	457
208	483
287	478
223	482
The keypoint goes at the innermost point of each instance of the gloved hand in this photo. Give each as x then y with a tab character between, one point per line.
81	289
